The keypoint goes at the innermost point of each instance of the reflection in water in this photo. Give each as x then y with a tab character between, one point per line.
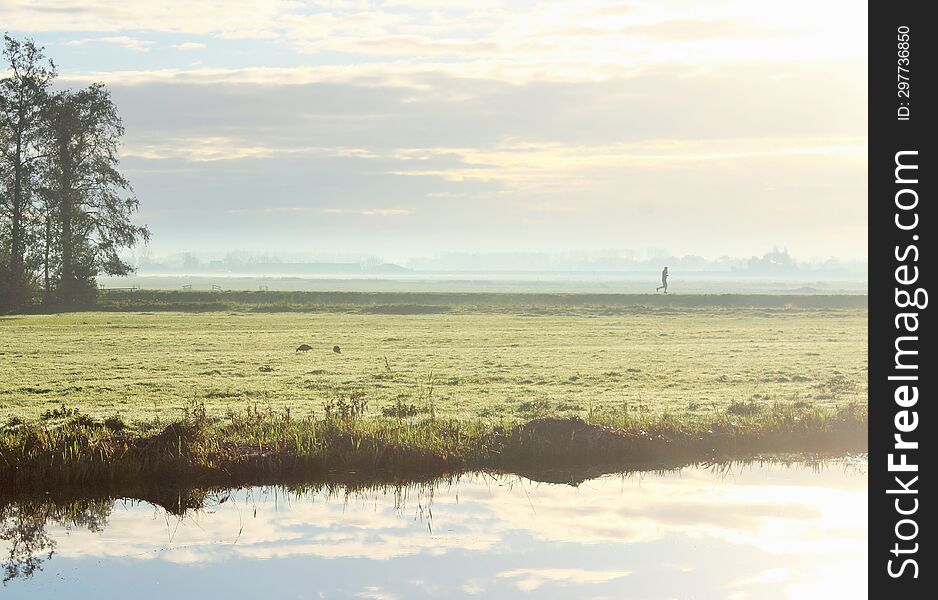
23	530
757	531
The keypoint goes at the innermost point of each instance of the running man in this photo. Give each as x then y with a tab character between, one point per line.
664	281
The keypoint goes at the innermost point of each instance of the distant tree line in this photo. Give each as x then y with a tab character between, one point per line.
775	262
65	209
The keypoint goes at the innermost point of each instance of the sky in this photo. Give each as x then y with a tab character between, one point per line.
405	128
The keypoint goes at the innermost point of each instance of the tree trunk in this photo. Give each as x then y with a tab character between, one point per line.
47	281
17	289
67	281
17	246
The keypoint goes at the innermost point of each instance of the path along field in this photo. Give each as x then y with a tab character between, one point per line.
513	362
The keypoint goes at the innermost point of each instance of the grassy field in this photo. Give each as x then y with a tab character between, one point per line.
505	357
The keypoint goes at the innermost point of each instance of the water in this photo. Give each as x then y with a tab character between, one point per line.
758	531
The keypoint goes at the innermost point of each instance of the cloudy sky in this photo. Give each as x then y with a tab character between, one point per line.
414	127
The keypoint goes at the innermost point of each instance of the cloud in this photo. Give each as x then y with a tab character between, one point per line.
384	212
365	212
531	579
199	149
137	45
180	16
560	37
375	593
503	123
360	109
701	29
772	527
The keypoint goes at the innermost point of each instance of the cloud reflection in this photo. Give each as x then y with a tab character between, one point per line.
760	532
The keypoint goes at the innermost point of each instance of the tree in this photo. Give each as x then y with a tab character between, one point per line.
22	98
88	202
23	528
65	209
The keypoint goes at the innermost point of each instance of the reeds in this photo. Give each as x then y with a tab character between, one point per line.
255	446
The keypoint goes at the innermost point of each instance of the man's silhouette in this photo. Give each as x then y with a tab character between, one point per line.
664	281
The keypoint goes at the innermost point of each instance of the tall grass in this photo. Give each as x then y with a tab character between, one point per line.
257	446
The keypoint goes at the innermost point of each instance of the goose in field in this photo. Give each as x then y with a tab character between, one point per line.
304	348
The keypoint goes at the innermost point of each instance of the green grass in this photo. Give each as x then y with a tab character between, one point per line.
425	384
512	359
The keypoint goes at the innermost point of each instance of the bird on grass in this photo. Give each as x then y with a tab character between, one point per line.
304	348
337	350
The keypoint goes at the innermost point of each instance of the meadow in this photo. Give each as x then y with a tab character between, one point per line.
504	357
